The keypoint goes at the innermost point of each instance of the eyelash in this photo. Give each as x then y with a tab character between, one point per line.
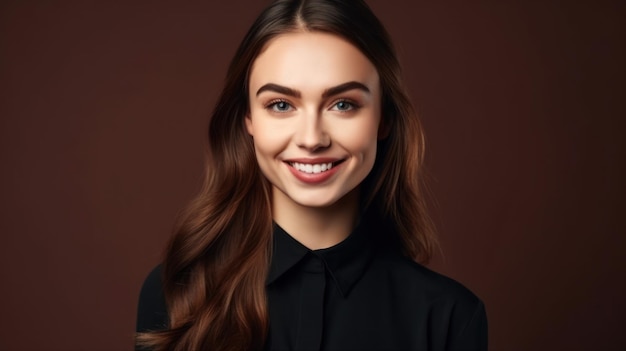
353	106
273	103
270	105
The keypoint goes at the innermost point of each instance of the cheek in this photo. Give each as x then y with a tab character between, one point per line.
361	138
268	138
249	128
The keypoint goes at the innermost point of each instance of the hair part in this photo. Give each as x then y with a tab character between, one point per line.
216	263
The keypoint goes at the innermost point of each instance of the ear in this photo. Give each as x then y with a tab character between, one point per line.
249	124
383	129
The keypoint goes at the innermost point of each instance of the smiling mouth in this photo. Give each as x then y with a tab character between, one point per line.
314	168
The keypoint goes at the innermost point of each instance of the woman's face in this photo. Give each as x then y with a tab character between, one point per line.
314	117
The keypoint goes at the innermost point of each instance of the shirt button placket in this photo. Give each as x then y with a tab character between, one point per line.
311	320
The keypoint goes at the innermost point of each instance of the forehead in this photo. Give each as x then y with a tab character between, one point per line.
311	60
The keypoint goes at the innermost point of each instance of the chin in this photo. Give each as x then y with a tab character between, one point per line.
316	201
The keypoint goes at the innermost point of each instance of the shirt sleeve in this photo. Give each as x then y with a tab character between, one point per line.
152	311
473	336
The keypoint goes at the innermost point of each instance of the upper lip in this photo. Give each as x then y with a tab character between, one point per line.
313	161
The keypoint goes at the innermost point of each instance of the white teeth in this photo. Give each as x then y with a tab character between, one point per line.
312	168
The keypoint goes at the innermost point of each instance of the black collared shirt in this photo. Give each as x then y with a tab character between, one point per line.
357	295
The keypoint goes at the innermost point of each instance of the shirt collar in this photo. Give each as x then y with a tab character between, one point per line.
346	262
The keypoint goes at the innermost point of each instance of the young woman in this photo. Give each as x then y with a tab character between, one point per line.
311	228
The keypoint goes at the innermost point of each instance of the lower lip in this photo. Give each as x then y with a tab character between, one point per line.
313	178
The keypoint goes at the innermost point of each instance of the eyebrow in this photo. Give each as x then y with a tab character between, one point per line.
328	92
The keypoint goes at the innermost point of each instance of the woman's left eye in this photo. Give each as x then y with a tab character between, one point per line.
344	105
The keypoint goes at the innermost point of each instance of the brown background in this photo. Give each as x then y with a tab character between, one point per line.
103	113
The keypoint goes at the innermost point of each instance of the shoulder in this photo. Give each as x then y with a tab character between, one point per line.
151	308
459	314
423	281
153	282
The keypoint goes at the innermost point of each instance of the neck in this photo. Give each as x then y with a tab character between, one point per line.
316	227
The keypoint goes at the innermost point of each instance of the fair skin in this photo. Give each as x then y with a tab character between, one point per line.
314	119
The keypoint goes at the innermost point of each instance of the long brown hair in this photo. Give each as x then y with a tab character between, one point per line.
217	261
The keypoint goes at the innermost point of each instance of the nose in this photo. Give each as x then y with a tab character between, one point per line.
311	134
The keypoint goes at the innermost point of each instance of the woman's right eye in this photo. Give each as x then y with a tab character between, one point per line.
279	106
